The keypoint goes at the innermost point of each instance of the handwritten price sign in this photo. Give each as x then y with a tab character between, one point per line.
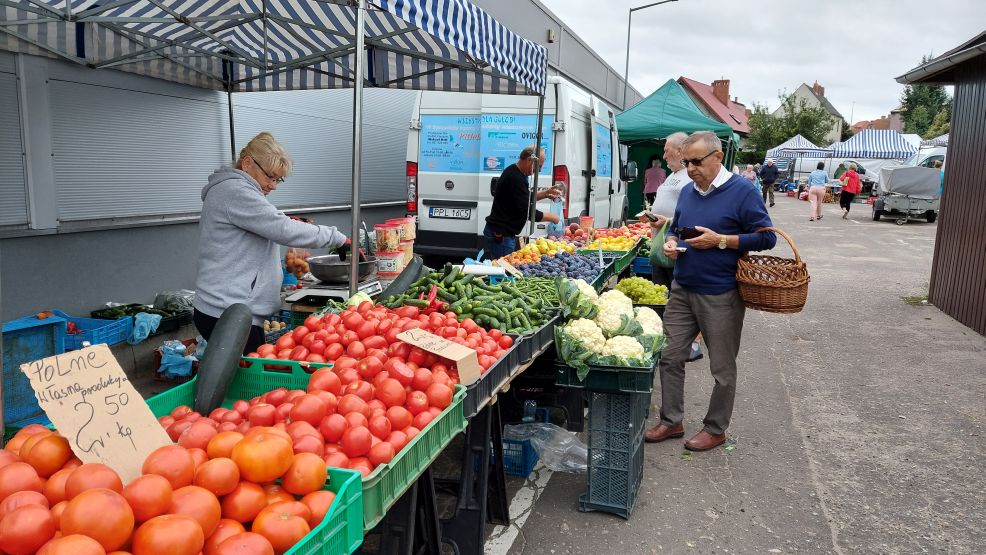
465	359
91	402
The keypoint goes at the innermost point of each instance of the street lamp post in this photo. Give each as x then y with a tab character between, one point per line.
626	70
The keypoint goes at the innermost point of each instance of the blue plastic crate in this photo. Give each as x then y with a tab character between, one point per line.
641	266
25	340
96	331
519	456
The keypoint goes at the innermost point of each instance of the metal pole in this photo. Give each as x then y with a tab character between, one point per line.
232	127
357	143
626	68
537	170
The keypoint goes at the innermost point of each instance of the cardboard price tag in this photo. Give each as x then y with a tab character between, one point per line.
509	268
465	359
89	399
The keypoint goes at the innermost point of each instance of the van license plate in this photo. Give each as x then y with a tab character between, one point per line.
450	213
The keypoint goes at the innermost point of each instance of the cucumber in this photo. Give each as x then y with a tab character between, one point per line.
222	357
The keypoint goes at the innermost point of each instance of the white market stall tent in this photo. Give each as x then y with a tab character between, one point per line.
940	140
272	45
797	146
875	143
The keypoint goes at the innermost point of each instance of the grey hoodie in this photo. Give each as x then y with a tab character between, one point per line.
239	234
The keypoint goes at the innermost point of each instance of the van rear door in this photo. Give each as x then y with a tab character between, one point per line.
600	171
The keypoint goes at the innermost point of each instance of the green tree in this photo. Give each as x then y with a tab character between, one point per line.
846	132
796	117
923	103
939	125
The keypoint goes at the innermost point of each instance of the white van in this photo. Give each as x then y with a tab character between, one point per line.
460	143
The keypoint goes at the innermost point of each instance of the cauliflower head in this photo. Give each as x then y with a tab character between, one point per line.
587	332
624	347
613	305
587	289
650	321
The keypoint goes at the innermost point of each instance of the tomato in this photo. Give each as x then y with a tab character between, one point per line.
423	419
345	362
220	476
366	329
352	320
175	430
440	377
54	488
47	453
277	396
265	350
261	414
244	503
286	341
399	417
247	543
422	379
225	529
398	439
356	441
198	503
309	444
381	453
334	350
73	544
399	371
362	465
439	395
318	503
325	379
102	514
282	529
197	435
25	529
299	352
21	499
417	402
399	350
380	426
262	457
411	432
181	411
308	408
149	496
234	416
89	476
356	350
299	333
379	378
369	367
330	400
505	341
221	445
361	389
355	419
169	535
282	412
311	323
276	493
337	460
306	474
391	334
332	427
391	392
317	347
352	403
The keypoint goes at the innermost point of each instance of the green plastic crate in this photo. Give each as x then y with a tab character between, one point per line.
341	531
608	379
387	482
385	485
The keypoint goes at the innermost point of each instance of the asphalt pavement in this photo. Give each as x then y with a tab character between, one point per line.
858	427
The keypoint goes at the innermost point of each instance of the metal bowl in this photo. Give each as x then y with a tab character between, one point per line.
330	269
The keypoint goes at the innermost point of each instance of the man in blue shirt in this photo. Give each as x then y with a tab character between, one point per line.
716	220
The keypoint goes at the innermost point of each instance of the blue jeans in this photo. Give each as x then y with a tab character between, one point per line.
496	248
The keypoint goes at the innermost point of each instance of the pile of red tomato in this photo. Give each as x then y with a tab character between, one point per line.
369	331
219	497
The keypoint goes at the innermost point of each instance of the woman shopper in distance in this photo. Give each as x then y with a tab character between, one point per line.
654	176
239	234
816	191
850	188
751	175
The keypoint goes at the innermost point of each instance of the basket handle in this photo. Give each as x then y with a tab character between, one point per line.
797	255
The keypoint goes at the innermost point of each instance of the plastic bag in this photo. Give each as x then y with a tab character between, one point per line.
657	257
174	362
144	325
559	449
175	301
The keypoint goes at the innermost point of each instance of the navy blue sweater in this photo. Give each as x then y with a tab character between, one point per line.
733	208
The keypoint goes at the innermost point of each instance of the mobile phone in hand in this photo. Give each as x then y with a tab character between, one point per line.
688	233
647	214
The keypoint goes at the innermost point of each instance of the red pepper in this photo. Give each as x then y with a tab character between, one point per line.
433	303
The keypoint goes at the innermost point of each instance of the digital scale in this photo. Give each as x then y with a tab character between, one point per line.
316	293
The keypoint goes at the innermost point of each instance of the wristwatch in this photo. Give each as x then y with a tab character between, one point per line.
722	242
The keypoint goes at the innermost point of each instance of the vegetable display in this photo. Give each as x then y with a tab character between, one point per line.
500	306
543	289
534	251
577	266
605	330
643	291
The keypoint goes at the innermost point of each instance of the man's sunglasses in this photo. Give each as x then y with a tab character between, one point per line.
267	173
696	161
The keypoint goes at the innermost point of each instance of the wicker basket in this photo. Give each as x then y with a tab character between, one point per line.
771	283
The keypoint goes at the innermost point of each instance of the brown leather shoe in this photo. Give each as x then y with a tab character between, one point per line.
663	431
703	441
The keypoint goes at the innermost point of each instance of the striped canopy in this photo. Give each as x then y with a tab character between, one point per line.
876	143
940	140
795	147
257	45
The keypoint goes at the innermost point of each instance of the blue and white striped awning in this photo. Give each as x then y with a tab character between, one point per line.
876	143
795	147
255	45
940	140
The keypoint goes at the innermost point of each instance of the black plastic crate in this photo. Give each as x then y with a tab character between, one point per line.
480	392
168	323
616	452
658	308
524	346
545	335
608	379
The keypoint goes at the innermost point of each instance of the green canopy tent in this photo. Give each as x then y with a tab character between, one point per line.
668	110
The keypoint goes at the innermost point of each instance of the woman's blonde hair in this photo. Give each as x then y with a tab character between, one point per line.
852	167
268	153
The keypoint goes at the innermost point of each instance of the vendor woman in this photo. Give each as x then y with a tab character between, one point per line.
512	204
239	234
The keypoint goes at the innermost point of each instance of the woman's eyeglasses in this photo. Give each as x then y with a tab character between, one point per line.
267	173
696	161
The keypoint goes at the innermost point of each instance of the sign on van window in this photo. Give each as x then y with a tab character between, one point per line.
505	135
604	151
449	144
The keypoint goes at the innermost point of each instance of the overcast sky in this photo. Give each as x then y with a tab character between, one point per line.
854	48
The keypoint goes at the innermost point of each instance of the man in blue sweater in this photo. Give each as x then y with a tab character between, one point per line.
716	221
